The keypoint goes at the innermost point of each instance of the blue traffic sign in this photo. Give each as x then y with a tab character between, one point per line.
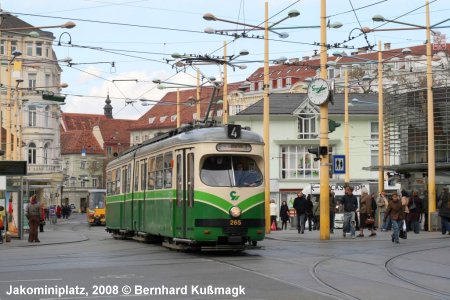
339	164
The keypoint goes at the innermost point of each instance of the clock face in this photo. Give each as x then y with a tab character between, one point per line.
318	91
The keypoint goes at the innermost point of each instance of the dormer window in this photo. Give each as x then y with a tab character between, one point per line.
162	119
151	120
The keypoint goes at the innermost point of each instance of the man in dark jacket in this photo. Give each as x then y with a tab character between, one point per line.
300	209
350	204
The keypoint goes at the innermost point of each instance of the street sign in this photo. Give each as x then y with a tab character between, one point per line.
13	167
339	164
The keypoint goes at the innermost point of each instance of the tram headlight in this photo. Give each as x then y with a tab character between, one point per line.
235	212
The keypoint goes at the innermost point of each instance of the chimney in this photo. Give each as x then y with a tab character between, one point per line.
293	60
305	58
387	46
362	50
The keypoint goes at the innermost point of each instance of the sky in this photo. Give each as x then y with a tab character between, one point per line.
120	47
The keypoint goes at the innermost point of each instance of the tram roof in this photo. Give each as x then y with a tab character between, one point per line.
189	135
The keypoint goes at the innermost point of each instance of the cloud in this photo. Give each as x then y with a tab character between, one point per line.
125	93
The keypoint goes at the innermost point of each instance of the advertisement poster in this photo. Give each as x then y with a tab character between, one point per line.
12	213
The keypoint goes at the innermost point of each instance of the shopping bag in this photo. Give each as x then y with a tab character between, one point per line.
273	227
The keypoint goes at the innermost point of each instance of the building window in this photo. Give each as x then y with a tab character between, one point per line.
409	64
48	80
32	153
260	85
32	81
298	163
307	121
82	183
162	119
94	182
47	116
136	139
109	151
83	164
374	143
46	146
32	116
173	118
38	49
13	46
288	81
2	47
219	113
252	87
29	47
280	83
151	120
331	73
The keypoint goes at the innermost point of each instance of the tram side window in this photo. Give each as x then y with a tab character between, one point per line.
124	181
109	182
117	187
159	172
143	174
168	170
136	176
129	178
151	173
191	176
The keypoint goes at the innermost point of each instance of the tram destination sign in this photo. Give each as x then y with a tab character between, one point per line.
13	167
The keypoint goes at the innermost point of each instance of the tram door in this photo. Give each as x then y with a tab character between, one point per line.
184	192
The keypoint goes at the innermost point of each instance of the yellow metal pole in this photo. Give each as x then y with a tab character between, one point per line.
8	100
380	121
15	121
266	119
324	162
225	85
178	108
198	95
20	125
1	113
430	125
347	150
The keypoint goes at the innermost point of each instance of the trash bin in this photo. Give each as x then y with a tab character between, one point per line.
435	221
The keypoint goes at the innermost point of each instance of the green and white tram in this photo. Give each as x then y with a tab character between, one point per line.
195	188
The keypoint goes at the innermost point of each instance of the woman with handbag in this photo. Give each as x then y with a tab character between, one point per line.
395	212
366	213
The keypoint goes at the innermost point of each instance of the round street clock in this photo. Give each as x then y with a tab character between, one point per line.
318	91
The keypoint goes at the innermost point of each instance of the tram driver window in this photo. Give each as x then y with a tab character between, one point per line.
230	171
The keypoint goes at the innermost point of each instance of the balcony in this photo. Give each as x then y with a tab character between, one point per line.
43	169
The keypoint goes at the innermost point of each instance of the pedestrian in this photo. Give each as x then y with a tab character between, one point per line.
300	209
350	204
405	201
273	213
382	204
332	210
444	210
42	218
58	212
309	211
395	212
415	209
284	215
366	213
425	210
316	213
33	214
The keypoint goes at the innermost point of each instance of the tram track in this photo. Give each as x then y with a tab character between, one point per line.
393	271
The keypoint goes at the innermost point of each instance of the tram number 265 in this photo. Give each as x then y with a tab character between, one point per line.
235	222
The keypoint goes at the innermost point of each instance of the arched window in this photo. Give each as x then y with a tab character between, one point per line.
47	116
32	153
307	120
46	150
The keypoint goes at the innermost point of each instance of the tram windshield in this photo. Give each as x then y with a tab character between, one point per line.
228	170
97	199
